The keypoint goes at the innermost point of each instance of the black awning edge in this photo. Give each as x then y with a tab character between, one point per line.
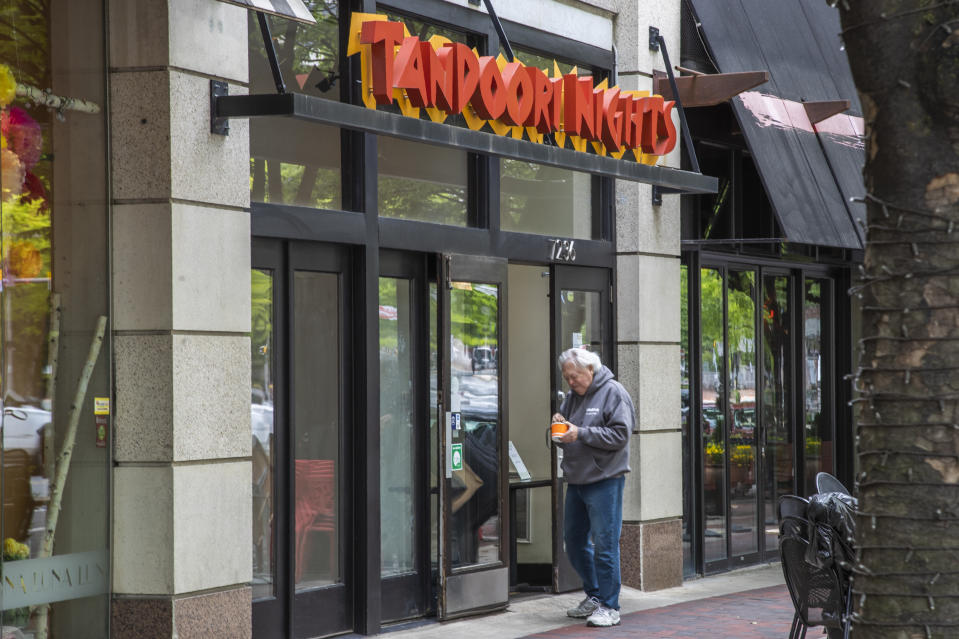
316	109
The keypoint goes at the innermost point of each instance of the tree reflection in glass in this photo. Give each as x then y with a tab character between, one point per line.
474	365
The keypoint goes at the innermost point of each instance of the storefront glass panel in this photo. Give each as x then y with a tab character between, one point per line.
475	527
296	162
54	305
316	429
777	367
713	413
397	513
818	429
434	364
743	449
685	420
581	322
421	182
262	342
545	200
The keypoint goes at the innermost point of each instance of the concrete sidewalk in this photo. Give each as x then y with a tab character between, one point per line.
547	613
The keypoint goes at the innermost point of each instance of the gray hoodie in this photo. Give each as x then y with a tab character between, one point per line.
605	417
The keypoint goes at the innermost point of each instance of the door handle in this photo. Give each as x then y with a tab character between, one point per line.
560	396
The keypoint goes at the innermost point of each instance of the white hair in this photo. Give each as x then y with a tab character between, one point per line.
581	358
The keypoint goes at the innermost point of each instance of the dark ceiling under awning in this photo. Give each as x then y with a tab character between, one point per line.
811	171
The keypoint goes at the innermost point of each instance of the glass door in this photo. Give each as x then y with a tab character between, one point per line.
474	555
404	538
776	405
581	318
302	534
729	421
818	413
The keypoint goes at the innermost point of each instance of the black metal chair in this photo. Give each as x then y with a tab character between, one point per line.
826	483
820	594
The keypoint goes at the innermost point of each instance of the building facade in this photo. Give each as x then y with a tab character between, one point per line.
279	325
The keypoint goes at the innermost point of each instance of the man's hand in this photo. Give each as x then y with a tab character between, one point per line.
558	418
571	435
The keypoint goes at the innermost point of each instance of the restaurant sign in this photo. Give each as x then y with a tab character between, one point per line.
445	78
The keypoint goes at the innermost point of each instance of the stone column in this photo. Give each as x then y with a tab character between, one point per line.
648	328
181	295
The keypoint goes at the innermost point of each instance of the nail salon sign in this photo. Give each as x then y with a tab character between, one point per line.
38	581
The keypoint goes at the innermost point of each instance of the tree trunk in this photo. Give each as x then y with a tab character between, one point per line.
904	56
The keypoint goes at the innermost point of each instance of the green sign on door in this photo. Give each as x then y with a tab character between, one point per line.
457	456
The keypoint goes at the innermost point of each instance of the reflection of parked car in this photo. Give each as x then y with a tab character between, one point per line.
483	359
21	428
261	416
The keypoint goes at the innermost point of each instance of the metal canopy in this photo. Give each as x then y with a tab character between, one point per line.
293	9
316	109
810	172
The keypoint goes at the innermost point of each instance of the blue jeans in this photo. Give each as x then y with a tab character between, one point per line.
594	512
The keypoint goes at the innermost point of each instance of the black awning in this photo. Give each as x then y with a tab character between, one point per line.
811	171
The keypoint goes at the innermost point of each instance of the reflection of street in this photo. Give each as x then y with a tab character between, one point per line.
479	397
475	502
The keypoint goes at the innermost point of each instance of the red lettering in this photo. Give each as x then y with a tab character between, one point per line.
578	116
609	129
519	94
383	37
462	76
635	137
555	105
623	117
667	128
652	109
409	72
435	73
489	98
539	114
597	114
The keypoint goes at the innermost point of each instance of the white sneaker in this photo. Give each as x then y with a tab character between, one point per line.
603	617
585	608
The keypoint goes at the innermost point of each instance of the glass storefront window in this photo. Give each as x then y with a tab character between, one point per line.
545	200
475	529
713	413
421	182
316	430
397	512
743	447
308	55
818	429
53	303
776	402
685	421
295	162
262	342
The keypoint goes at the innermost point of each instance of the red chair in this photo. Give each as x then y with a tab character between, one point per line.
315	509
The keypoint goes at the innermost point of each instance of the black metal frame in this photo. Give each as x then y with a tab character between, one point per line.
290	613
272	615
398	592
486	269
833	345
562	278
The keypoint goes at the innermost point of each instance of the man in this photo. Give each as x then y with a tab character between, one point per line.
600	417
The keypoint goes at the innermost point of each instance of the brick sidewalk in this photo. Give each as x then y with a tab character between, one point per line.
763	613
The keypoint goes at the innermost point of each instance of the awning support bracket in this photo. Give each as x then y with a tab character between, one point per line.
498	26
658	43
218	88
271	53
